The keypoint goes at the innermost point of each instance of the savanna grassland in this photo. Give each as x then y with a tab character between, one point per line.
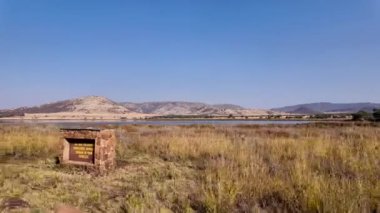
246	168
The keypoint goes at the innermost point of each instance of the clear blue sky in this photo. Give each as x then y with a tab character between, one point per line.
263	53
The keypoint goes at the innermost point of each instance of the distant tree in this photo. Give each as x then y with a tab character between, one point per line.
376	115
322	116
361	116
231	116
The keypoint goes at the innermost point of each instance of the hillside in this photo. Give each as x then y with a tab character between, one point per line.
97	107
87	105
191	108
326	107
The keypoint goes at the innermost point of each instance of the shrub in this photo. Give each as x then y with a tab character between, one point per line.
376	114
361	116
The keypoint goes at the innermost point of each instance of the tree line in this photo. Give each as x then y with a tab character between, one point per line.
367	116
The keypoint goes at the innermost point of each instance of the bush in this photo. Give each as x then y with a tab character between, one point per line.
361	116
322	116
376	114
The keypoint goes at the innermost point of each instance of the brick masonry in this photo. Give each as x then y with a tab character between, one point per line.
102	153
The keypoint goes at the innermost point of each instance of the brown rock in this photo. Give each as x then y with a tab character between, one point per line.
14	203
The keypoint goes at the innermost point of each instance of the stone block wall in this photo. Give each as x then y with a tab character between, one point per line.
92	148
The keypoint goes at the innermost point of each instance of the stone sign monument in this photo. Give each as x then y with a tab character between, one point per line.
93	148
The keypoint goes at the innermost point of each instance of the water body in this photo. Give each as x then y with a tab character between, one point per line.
81	123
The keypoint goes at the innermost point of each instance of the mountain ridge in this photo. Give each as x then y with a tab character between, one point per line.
86	105
328	107
185	108
102	105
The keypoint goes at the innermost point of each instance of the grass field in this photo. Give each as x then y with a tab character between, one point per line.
247	168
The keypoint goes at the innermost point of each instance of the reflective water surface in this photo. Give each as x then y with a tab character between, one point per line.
80	123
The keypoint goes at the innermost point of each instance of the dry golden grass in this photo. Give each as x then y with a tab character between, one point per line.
304	168
28	142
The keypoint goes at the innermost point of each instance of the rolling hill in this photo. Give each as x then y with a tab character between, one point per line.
326	107
88	107
97	107
191	108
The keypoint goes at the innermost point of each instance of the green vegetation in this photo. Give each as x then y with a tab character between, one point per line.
246	168
362	116
367	116
376	114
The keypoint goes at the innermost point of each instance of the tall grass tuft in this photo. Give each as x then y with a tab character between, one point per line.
27	142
